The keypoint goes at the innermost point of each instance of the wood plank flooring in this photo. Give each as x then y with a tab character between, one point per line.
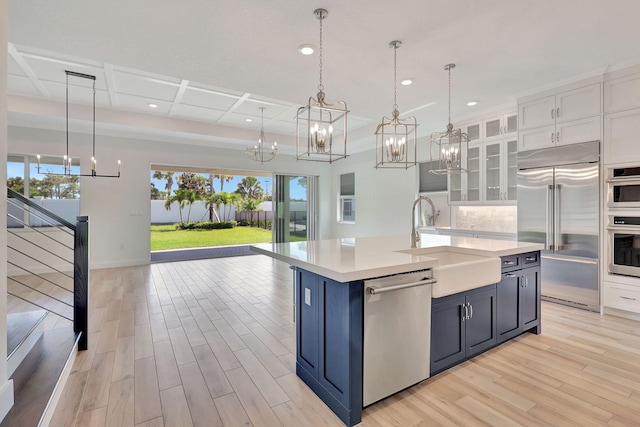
212	343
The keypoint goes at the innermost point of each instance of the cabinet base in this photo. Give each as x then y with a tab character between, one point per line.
347	416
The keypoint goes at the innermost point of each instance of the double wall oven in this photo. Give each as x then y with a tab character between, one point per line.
623	222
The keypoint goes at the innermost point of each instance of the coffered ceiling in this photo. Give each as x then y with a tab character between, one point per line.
210	65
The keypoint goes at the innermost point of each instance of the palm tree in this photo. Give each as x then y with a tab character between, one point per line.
182	196
228	200
249	188
165	175
250	205
223	179
212	200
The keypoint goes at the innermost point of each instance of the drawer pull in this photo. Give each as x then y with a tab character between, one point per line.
530	258
510	275
509	263
629	298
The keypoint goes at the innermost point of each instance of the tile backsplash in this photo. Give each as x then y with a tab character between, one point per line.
500	219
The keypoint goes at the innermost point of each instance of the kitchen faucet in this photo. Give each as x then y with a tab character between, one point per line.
415	235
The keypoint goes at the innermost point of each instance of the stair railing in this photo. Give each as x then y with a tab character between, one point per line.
53	261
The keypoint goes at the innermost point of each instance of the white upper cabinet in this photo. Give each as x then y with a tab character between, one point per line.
465	188
498	126
621	135
578	103
537	113
472	130
565	118
500	171
491	163
622	93
622	118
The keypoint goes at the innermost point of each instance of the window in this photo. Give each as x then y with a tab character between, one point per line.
57	193
347	202
430	182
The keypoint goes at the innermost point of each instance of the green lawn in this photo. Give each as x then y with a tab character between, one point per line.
166	236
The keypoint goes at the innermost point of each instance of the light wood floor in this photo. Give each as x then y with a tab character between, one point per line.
211	342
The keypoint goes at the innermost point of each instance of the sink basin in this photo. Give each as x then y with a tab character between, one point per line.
458	272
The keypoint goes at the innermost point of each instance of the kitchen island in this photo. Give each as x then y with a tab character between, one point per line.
499	279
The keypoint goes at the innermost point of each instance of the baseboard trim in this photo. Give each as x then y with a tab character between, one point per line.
116	264
6	399
621	313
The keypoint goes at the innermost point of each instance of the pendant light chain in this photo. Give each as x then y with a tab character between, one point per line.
395	76
449	68
320	86
261	121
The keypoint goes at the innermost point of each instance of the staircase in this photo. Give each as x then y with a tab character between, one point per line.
47	286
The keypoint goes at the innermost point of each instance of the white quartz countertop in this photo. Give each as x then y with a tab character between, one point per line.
351	259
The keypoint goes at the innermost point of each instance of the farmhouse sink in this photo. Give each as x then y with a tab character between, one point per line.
458	272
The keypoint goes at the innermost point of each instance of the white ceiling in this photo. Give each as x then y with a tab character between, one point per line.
209	65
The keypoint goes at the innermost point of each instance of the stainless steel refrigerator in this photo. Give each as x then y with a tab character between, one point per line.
558	206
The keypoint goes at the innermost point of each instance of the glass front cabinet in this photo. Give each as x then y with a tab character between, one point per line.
466	188
500	171
491	177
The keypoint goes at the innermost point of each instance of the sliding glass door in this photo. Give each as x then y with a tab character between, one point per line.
294	208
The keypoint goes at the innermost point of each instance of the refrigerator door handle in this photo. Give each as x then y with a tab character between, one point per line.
549	215
556	226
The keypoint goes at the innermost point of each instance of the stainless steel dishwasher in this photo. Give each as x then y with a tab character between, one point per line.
397	333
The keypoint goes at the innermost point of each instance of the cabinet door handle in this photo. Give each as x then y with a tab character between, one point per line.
470	311
553	115
552	135
558	112
509	275
466	313
557	136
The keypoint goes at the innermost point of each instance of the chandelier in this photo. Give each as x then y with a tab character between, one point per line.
258	152
396	137
66	159
321	127
448	148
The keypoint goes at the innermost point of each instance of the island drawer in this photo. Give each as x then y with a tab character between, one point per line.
510	262
519	261
530	259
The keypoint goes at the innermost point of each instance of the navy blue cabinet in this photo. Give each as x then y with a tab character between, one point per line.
518	295
468	323
329	336
462	325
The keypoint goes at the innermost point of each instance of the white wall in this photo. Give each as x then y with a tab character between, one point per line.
383	198
6	386
119	209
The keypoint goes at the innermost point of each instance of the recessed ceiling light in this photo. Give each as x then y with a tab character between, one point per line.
248	120
406	82
305	49
472	103
152	105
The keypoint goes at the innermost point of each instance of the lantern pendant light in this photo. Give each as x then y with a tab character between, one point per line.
448	149
321	126
396	137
